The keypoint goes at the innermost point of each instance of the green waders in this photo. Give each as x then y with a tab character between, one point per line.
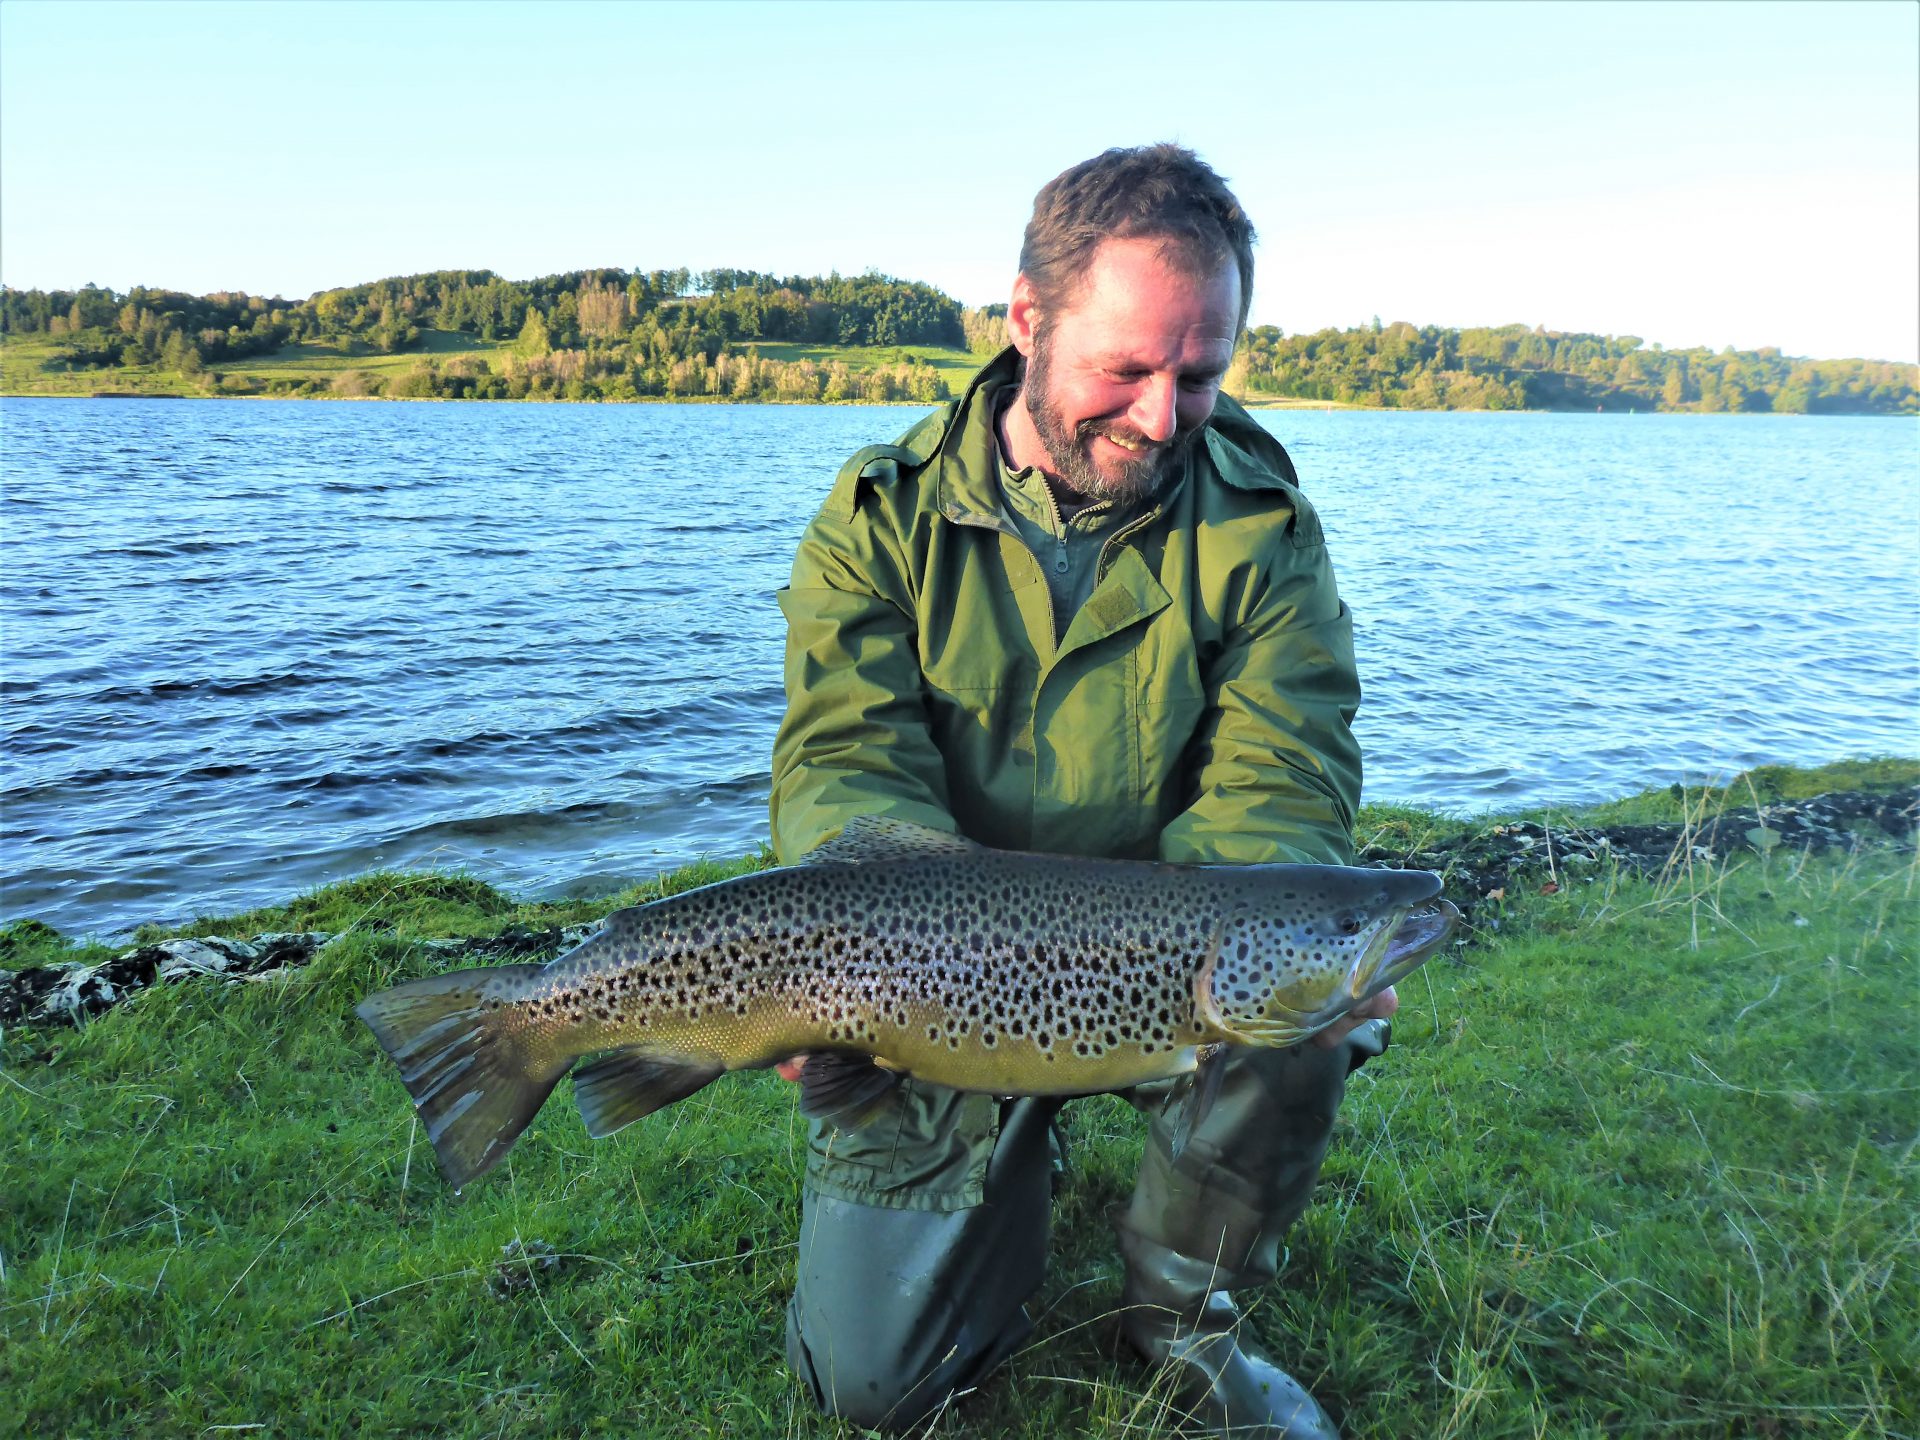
923	1234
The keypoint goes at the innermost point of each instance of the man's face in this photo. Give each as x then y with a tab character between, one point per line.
1121	378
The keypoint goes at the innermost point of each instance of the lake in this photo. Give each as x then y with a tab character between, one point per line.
250	647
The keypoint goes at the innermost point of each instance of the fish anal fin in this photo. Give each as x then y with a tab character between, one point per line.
843	1088
869	838
616	1089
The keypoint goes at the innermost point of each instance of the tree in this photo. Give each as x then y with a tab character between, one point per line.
533	335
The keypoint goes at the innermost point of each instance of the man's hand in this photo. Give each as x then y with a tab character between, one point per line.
1380	1007
790	1069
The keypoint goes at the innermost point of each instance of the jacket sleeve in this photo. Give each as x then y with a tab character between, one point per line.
856	738
1274	767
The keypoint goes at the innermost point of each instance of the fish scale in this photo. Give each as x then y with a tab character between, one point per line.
898	949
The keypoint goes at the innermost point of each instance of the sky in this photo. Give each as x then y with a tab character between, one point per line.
1694	174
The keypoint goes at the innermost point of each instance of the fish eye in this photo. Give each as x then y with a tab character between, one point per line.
1349	925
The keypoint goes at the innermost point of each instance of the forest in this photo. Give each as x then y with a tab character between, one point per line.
743	335
1512	367
585	335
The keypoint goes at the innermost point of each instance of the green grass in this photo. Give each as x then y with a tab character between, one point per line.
28	366
1642	1163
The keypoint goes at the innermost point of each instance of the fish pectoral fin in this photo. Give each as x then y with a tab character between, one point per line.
1202	1091
622	1087
867	838
844	1088
1275	1034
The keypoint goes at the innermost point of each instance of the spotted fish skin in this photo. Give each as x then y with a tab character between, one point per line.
973	968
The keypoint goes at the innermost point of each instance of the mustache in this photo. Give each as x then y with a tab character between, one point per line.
1126	434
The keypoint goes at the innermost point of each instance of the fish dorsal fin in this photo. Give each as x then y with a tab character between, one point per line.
870	838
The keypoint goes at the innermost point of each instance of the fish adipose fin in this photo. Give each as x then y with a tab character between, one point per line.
868	838
844	1089
618	1089
465	1063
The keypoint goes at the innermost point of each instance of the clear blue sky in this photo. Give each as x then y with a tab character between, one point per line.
1744	174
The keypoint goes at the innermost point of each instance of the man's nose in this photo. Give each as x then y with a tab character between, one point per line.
1153	413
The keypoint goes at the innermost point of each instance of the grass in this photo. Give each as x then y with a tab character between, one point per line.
1640	1163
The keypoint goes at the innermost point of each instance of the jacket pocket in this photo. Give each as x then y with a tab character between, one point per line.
1170	707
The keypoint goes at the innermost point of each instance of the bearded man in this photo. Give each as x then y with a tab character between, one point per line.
1083	609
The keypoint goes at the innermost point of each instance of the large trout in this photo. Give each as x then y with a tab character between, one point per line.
897	949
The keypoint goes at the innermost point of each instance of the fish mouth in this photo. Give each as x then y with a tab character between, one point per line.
1419	934
1397	952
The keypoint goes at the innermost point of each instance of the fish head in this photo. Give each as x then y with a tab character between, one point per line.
1301	945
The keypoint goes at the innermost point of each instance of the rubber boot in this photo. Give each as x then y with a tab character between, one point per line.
1175	1314
1211	1222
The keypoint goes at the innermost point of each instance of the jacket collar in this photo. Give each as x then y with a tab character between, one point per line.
1234	446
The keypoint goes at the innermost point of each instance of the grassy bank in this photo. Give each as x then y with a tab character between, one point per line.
34	365
1640	1162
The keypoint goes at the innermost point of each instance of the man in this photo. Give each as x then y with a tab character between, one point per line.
1083	609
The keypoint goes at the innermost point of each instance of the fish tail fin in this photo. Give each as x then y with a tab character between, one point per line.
618	1089
466	1061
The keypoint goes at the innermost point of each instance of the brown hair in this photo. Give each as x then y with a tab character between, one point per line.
1163	192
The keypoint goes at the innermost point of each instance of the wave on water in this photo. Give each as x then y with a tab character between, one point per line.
252	648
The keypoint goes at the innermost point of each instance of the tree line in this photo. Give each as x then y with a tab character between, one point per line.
618	334
659	316
1512	367
613	373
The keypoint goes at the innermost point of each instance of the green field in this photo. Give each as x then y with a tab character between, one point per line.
29	367
1641	1162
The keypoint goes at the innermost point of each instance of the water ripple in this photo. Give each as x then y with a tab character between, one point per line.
252	647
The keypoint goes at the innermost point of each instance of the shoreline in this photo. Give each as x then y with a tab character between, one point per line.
1786	808
1279	403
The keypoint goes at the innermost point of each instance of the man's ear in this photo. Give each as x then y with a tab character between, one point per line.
1023	316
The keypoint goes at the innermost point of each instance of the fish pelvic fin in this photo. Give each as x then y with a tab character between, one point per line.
474	1077
844	1088
619	1088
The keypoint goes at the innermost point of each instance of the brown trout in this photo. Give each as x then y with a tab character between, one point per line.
893	950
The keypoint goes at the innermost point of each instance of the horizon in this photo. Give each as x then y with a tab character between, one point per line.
1699	175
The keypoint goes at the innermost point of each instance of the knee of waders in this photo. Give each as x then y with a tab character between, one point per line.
894	1310
890	1371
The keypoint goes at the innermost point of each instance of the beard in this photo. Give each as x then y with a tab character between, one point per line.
1070	448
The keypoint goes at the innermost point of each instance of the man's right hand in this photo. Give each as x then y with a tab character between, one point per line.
790	1068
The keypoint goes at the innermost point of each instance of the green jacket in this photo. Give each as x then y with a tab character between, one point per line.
1198	707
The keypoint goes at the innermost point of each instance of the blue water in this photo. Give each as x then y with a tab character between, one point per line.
250	647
